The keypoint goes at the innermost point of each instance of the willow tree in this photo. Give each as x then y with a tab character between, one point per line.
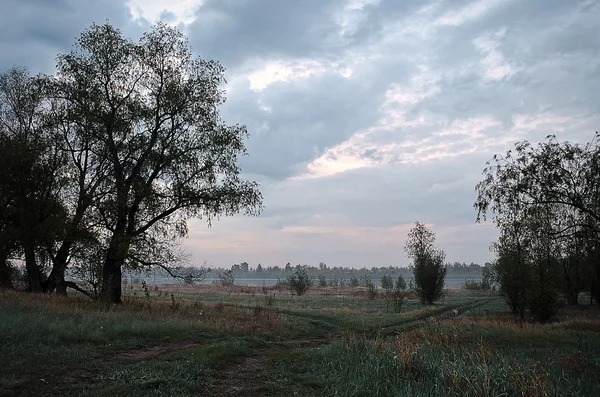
559	180
151	111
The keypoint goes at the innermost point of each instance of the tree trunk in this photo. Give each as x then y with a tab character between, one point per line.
111	271
56	280
6	281
33	272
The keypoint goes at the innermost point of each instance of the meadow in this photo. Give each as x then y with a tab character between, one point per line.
207	340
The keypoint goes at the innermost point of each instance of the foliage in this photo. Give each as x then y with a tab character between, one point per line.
120	147
90	273
487	277
300	281
387	283
31	174
226	278
371	289
400	284
322	281
512	272
547	197
428	263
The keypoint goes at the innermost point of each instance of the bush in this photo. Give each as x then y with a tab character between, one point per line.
543	297
473	285
322	281
400	284
513	274
300	282
387	283
226	278
371	289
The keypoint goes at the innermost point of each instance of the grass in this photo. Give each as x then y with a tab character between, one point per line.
244	341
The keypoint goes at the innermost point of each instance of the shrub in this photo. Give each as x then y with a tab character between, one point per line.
322	281
226	278
387	283
400	283
300	282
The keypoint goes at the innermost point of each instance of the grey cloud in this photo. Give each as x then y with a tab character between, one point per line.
34	32
233	31
305	118
385	196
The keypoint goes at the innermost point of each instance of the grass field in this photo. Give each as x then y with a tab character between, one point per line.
256	341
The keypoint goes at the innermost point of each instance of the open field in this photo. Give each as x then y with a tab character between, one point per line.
254	341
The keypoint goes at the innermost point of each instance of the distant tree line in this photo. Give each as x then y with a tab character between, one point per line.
246	270
545	200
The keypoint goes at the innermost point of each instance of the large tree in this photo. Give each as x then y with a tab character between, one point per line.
428	263
558	174
551	192
31	170
151	114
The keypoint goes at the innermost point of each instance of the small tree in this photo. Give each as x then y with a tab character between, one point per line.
300	282
322	281
428	263
400	283
226	278
371	289
487	277
387	283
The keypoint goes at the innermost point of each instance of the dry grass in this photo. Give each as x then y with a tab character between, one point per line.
212	316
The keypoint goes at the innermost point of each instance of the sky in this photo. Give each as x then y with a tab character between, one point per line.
364	115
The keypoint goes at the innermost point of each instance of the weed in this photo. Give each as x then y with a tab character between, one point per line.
270	299
174	304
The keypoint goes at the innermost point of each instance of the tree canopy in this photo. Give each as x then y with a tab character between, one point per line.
545	199
136	126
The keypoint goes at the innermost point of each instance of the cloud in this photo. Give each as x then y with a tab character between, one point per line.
177	12
33	32
364	115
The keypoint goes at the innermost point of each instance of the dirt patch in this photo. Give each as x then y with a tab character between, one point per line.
246	378
81	375
149	352
306	342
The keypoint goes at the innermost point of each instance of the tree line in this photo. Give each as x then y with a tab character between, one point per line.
245	269
102	163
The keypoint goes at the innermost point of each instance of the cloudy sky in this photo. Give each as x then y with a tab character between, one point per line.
365	115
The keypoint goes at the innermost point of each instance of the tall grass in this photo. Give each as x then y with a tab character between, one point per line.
456	358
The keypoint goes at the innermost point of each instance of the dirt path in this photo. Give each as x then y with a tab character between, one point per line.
148	352
246	378
80	375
